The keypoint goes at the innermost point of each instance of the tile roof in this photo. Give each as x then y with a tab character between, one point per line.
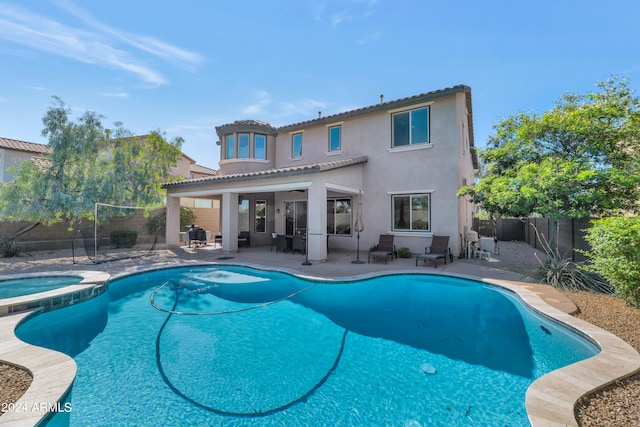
379	107
203	170
29	147
290	170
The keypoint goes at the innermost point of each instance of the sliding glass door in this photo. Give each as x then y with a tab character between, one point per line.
295	217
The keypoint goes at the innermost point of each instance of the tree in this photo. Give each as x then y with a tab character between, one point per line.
578	159
85	167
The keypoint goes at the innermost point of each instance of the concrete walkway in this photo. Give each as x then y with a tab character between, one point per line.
340	264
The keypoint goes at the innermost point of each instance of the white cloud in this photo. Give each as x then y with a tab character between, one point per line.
347	11
94	45
118	94
148	44
259	106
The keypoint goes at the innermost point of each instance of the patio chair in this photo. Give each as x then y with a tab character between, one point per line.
281	243
385	248
244	239
198	236
439	249
297	244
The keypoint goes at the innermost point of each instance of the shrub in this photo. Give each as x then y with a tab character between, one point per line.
10	249
615	251
187	217
404	253
563	273
157	224
420	224
124	238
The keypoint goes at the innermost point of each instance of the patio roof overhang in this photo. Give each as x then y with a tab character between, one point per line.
282	179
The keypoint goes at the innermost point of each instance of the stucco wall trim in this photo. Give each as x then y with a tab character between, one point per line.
410	192
410	147
410	107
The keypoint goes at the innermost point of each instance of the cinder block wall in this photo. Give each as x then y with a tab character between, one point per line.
60	237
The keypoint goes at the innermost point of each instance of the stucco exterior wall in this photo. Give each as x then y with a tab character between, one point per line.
435	168
10	159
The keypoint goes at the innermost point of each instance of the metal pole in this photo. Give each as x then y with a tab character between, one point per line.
357	261
95	234
306	252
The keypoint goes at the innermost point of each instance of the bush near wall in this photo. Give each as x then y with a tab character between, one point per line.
124	238
615	251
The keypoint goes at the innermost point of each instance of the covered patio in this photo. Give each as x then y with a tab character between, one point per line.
298	200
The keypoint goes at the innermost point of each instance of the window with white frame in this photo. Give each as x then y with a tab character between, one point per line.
411	212
261	216
335	143
296	145
411	127
339	216
243	215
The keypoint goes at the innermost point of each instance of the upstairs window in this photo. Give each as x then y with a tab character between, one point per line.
230	144
334	138
411	127
260	147
243	146
296	145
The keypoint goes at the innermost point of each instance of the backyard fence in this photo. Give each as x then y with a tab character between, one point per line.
59	236
570	233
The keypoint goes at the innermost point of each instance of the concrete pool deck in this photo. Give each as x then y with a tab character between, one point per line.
550	400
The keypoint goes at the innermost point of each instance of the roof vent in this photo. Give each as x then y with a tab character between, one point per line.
381	98
319	114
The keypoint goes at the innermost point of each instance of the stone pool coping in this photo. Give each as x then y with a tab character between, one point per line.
53	372
550	400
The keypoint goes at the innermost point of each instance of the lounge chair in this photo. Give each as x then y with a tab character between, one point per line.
439	249
385	248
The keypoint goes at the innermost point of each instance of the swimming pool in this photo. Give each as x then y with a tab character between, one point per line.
12	288
409	349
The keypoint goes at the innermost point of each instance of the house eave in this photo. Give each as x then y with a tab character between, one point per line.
269	173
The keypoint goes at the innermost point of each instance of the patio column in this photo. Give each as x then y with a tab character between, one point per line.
172	229
317	222
229	226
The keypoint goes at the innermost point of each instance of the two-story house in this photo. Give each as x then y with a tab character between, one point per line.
13	151
395	165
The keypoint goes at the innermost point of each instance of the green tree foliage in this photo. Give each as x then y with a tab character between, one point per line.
578	159
85	167
615	251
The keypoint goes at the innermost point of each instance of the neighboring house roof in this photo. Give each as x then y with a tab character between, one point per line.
29	147
203	170
286	171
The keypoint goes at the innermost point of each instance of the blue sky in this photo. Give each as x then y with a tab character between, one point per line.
186	67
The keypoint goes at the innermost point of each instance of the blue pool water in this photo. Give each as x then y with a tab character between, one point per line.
27	286
399	350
